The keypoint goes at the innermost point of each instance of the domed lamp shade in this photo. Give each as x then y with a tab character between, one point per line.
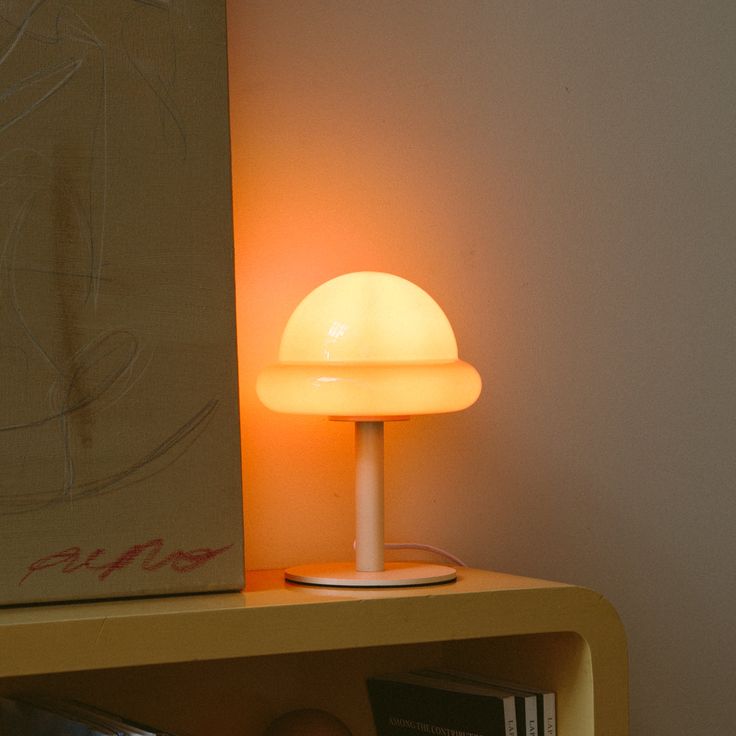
369	347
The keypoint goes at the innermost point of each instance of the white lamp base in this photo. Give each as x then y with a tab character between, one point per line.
395	574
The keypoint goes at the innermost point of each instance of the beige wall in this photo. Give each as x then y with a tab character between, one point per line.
560	177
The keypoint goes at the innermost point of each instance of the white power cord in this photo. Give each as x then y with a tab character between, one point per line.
424	548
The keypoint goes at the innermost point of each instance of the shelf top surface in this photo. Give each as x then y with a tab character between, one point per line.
263	588
272	617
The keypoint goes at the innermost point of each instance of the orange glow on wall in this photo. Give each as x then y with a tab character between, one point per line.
330	176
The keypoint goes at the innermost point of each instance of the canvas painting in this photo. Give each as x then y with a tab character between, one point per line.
119	432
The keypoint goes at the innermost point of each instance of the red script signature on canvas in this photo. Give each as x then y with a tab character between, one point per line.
102	564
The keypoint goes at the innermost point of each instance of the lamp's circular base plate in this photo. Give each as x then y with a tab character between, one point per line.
395	574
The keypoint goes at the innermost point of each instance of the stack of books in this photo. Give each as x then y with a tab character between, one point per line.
47	717
451	703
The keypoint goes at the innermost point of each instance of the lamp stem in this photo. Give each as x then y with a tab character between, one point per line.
369	496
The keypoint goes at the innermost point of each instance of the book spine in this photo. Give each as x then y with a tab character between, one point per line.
550	715
530	715
509	714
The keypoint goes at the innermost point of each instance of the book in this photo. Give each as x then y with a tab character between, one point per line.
411	704
536	708
21	718
526	703
41	716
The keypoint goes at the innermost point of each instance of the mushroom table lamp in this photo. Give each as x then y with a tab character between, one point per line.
368	347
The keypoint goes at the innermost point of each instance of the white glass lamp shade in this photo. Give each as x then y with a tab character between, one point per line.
364	345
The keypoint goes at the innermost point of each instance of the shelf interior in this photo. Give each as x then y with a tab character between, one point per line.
239	697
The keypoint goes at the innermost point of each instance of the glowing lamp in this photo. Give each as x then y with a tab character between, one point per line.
368	347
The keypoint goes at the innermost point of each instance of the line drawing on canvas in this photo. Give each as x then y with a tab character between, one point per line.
54	251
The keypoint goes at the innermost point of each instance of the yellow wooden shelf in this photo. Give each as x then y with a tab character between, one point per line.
229	663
